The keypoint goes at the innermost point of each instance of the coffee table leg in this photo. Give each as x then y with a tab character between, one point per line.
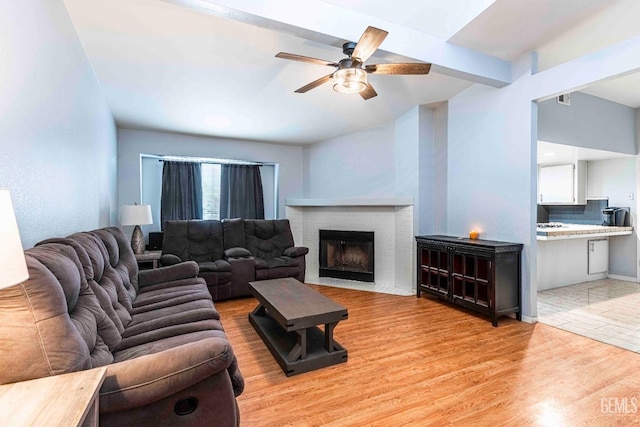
299	351
328	336
259	310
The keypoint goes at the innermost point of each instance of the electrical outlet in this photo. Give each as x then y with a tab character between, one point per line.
629	196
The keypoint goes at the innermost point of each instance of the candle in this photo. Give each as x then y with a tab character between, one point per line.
473	234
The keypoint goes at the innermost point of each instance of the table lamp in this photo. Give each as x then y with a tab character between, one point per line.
13	267
136	215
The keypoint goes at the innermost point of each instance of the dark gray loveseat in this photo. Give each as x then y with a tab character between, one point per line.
232	253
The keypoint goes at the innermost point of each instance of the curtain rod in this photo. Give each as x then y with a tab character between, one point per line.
208	160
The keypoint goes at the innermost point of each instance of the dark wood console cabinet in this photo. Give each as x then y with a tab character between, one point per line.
482	275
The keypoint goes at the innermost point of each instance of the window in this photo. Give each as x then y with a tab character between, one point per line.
211	171
210	191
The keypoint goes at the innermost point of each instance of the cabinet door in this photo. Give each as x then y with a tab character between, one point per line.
470	276
434	269
598	256
556	184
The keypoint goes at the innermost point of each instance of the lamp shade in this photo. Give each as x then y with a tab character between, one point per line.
350	80
13	267
135	215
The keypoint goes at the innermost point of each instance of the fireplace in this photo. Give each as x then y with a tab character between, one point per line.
347	255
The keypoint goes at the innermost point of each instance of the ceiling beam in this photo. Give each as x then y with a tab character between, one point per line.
333	25
609	63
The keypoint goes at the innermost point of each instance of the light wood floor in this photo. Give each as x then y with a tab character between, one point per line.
424	363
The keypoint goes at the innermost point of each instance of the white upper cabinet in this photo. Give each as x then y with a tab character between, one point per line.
563	184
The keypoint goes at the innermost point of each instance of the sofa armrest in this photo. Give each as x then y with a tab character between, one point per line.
184	270
147	379
170	259
295	251
237	252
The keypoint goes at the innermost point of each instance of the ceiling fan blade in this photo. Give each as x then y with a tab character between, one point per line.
307	59
368	43
368	93
408	68
314	84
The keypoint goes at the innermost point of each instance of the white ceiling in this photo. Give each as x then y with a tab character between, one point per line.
169	66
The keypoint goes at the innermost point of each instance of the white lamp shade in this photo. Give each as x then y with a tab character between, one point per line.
136	215
13	267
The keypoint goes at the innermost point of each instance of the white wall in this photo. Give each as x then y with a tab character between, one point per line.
440	156
491	170
57	136
616	178
393	160
133	143
358	164
589	122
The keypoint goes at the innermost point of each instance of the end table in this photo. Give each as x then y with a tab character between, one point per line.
149	257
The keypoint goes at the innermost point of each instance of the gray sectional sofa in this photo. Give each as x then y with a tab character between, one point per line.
85	305
232	253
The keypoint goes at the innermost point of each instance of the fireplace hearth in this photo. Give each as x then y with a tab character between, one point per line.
347	255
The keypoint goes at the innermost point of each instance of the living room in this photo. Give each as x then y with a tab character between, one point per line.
468	161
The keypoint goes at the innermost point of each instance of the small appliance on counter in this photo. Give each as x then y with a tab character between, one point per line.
615	217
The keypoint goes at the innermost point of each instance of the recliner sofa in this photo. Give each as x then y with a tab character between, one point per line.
86	305
233	252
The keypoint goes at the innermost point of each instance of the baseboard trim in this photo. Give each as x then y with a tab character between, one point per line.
528	319
623	278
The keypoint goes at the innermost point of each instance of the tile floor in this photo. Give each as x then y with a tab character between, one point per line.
606	310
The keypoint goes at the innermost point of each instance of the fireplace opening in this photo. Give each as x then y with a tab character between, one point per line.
347	255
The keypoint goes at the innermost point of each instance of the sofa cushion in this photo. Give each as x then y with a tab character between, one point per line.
216	266
181	348
168	332
166	297
53	320
113	289
281	261
193	240
267	239
233	233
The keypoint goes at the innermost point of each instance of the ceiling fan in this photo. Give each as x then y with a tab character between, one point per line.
350	75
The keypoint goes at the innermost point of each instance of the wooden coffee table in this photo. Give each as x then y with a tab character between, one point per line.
286	319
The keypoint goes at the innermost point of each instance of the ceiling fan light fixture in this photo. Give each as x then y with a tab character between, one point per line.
350	80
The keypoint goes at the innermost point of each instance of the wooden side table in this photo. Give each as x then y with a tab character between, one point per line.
152	257
60	400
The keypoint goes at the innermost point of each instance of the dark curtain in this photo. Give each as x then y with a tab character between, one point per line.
181	191
241	192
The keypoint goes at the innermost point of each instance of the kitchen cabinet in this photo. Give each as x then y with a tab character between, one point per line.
563	184
562	262
482	275
598	256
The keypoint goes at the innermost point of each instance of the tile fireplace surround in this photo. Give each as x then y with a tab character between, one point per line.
391	220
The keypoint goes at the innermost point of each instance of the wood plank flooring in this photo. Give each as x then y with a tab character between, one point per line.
417	361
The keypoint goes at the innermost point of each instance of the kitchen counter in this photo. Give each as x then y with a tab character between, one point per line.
581	231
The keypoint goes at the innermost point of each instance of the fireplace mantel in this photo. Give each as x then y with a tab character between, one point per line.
351	201
391	220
